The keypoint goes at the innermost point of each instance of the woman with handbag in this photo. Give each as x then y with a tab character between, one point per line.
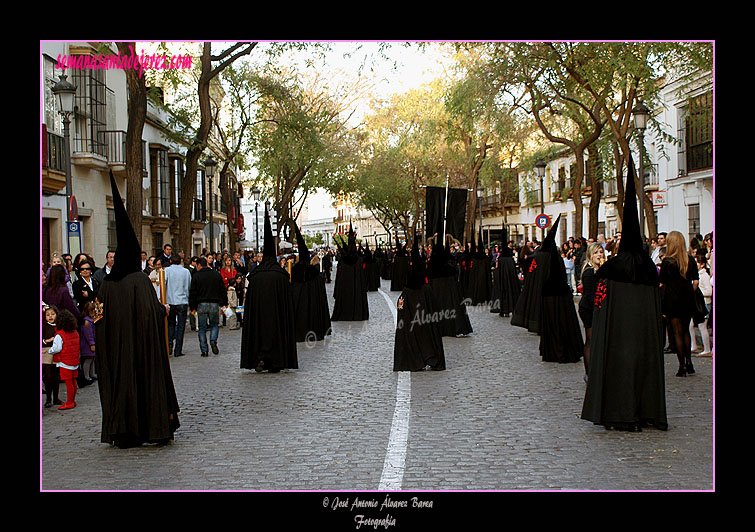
679	279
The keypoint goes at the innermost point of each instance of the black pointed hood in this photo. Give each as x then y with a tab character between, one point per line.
417	268
549	244
368	255
269	250
555	283
632	264
301	245
400	251
480	247
128	258
631	237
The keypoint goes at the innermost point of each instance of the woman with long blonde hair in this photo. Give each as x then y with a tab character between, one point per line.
678	279
594	259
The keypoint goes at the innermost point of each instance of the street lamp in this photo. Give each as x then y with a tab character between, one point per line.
640	117
209	165
66	92
480	191
256	194
540	171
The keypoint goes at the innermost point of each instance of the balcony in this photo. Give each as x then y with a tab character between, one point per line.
90	152
115	150
53	162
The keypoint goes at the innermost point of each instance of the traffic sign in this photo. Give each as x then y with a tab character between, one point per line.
542	221
73	209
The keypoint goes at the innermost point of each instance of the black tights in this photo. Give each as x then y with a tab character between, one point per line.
680	329
51	381
588	338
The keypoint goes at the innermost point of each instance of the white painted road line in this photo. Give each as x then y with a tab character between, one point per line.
395	457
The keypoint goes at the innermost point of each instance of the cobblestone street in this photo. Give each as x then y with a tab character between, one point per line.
497	419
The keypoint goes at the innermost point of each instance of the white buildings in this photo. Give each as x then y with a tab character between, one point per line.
679	178
97	133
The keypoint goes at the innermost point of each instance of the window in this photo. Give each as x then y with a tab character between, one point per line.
696	134
176	176
693	220
199	203
160	182
53	120
91	112
112	237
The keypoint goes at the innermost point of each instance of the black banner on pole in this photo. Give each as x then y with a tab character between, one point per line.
435	200
455	210
456	213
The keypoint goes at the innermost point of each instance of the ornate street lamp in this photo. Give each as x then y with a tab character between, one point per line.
209	166
640	117
540	171
256	194
66	93
480	192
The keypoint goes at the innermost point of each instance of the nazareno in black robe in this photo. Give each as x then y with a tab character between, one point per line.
626	379
399	270
137	395
371	270
509	286
268	334
479	278
442	274
418	342
527	310
311	311
350	290
560	330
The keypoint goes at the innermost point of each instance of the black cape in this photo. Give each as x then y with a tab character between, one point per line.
371	271
137	396
418	340
268	332
442	274
527	311
509	286
626	381
312	315
625	386
350	292
479	280
560	330
399	272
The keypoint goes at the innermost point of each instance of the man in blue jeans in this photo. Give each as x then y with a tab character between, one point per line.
206	295
177	286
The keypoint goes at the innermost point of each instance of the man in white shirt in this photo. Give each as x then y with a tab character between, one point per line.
100	274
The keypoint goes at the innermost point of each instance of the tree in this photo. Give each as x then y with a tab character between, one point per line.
137	113
195	135
633	71
301	141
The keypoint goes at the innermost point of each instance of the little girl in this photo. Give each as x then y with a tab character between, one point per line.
65	351
87	349
50	374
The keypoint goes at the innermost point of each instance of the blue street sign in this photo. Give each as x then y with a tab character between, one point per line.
542	221
74	238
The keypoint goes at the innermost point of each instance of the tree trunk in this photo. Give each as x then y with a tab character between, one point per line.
137	112
595	192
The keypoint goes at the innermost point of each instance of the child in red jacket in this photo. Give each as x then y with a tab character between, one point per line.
65	348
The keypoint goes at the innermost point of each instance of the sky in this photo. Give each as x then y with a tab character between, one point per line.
405	69
397	69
